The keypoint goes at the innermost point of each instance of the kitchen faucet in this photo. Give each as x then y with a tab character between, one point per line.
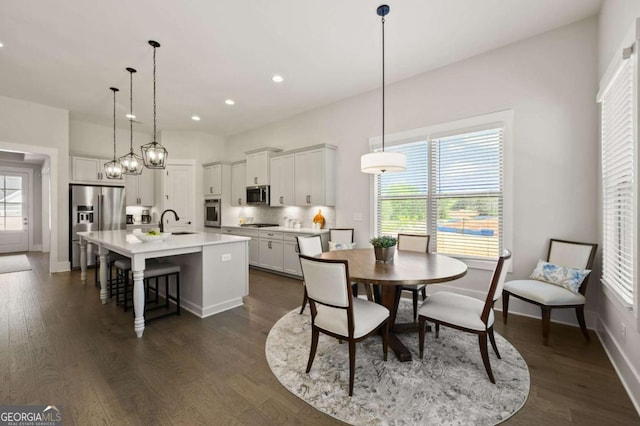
162	218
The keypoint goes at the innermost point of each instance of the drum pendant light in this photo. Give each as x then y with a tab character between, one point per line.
154	154
113	169
383	162
131	163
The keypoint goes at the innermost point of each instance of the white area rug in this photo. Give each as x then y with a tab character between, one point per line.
448	387
14	263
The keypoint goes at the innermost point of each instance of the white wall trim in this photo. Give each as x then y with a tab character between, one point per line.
64	266
36	247
620	362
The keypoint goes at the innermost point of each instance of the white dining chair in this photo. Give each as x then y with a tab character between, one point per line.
336	313
308	246
418	243
341	235
467	313
548	296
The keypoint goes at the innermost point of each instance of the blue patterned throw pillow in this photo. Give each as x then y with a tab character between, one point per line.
569	278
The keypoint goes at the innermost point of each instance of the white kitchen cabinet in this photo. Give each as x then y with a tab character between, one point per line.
291	259
315	176
271	250
217	179
91	170
254	251
239	185
139	188
283	180
258	165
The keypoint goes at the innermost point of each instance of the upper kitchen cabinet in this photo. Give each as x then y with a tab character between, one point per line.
315	176
258	164
91	170
217	179
282	180
139	188
239	184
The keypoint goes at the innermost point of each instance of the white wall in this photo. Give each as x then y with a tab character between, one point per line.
616	18
97	140
30	127
550	83
201	147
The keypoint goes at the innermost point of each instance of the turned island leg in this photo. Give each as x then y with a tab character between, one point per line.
138	302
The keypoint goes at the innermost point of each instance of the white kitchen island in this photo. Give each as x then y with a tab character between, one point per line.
214	273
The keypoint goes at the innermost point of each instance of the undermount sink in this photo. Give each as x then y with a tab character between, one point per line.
182	233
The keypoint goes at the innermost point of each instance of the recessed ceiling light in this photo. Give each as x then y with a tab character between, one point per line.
131	116
230	102
195	118
1	45
277	78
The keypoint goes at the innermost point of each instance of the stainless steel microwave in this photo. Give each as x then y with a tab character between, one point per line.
212	213
258	195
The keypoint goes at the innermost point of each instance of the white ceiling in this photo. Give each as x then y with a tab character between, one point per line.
67	53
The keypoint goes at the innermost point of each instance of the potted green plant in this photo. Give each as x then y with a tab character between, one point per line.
384	248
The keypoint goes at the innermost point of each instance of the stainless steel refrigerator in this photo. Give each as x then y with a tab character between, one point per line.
93	208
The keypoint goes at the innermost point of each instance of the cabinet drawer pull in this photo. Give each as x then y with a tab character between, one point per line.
269	244
239	201
281	200
255	180
308	199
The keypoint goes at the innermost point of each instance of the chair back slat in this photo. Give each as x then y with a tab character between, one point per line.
413	242
497	282
341	235
327	281
310	246
571	254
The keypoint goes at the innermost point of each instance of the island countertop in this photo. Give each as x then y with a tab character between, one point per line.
127	242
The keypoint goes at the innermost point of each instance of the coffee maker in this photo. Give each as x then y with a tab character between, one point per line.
146	217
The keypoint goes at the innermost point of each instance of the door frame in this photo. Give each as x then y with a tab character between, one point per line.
50	177
29	173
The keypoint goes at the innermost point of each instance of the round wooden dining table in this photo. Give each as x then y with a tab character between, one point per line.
407	268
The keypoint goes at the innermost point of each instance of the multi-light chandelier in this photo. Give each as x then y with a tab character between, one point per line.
154	155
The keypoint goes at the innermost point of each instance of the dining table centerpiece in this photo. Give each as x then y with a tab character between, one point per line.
384	248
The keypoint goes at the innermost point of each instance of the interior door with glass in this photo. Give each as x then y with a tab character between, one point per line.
14	212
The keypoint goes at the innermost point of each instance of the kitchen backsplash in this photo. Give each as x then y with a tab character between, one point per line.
304	215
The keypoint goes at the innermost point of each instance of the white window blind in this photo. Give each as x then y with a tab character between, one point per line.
618	182
467	193
452	190
402	196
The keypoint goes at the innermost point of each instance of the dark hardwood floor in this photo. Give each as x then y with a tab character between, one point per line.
59	345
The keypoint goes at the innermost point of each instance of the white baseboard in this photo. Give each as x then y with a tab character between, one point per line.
626	372
201	312
36	247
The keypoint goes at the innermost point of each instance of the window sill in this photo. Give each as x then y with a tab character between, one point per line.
484	265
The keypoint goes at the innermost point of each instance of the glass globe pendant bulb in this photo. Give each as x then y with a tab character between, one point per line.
154	155
113	169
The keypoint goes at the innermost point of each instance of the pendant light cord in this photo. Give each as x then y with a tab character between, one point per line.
154	94
131	111
114	123
383	83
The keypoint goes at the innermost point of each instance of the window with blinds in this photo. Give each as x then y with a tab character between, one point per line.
618	182
452	189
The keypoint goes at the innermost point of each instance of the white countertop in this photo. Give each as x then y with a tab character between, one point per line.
128	242
281	229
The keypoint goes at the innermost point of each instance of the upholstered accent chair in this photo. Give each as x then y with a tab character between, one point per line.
569	254
309	246
420	243
335	312
467	313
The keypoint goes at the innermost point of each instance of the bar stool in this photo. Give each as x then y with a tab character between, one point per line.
153	272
